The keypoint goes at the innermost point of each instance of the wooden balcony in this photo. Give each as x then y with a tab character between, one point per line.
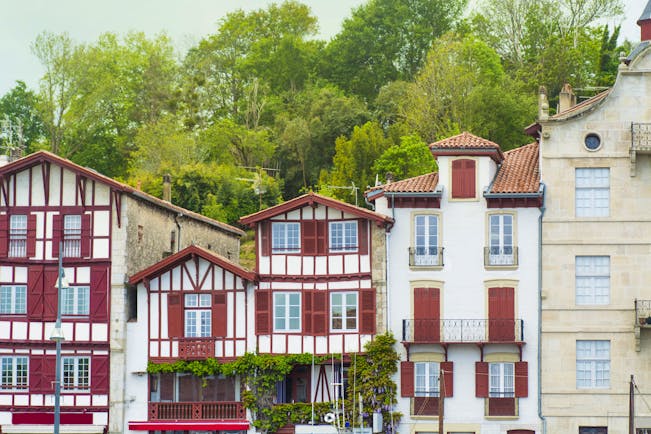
196	348
196	410
449	331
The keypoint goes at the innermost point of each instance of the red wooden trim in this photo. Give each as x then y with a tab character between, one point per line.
427	314
50	292
463	179
521	379
86	231
45	172
305	278
307	311
405	201
36	384
321	237
174	315
35	293
4	235
265	238
367	311
320	312
47	418
263	312
362	235
308	237
81	189
448	378
31	235
514	202
100	371
406	379
219	315
57	229
481	379
4	189
118	206
99	293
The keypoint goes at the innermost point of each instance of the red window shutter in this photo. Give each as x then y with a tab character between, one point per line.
48	374
36	370
406	379
367	311
321	237
501	314
31	235
265	238
320	314
306	298
174	315
362	235
57	229
262	312
309	236
85	235
99	371
481	379
4	235
448	378
35	293
50	293
463	179
521	379
427	314
219	315
99	293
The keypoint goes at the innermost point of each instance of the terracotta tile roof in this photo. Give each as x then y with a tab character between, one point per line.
466	143
582	106
519	172
418	184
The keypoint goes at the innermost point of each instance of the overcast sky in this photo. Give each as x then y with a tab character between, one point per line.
185	21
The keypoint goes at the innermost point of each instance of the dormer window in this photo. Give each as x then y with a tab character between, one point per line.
463	179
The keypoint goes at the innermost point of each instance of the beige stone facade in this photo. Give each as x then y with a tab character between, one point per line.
597	224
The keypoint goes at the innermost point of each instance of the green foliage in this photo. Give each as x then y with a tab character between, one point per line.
18	105
410	158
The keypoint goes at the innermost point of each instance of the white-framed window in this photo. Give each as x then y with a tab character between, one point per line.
13	372
501	380
343	236
592	192
76	373
198	316
592	364
592	280
72	236
75	300
17	236
501	249
343	311
426	378
426	233
287	311
13	299
285	237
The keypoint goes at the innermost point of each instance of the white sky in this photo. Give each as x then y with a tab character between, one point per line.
185	21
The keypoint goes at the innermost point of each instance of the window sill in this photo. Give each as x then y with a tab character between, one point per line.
500	267
514	417
426	267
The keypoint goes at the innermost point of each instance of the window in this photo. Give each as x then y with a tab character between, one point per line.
75	300
197	316
501	240
501	377
426	379
13	299
463	179
287	311
592	364
592	192
593	430
426	240
72	236
18	236
76	373
14	372
285	237
343	311
343	236
592	280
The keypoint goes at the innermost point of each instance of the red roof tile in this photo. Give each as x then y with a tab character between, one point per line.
466	143
418	184
519	172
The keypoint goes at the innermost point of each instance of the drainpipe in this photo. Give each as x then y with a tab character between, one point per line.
540	218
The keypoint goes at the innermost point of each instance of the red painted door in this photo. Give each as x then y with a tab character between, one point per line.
426	315
501	314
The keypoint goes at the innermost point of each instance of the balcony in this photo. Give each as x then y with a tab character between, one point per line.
640	142
500	256
426	257
642	319
196	348
448	331
196	411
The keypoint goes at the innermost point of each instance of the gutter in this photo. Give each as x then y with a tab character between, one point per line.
540	232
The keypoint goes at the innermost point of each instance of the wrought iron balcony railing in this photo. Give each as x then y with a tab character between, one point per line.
500	256
196	410
426	256
462	330
196	348
641	137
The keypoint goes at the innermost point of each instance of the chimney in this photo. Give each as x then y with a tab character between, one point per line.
566	99
543	104
645	23
167	187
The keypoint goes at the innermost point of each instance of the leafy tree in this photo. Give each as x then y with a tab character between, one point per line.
227	141
19	106
386	40
410	158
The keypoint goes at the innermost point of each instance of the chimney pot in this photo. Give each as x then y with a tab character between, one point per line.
167	187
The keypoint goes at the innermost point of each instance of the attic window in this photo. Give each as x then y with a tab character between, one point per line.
592	142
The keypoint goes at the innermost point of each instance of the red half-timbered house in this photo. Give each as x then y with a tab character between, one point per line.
320	267
102	229
195	303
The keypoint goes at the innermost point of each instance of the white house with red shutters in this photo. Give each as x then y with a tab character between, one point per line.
321	287
463	288
195	303
107	231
